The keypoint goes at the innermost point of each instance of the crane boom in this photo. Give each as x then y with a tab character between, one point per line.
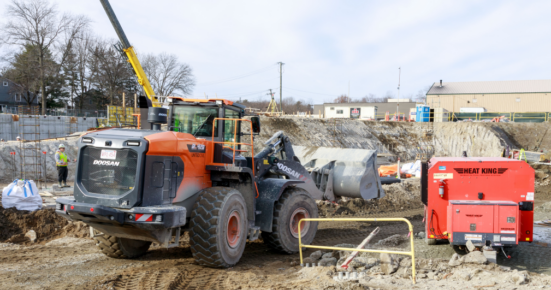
130	54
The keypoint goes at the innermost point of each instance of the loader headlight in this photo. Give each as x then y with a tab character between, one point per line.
133	143
87	140
58	206
159	218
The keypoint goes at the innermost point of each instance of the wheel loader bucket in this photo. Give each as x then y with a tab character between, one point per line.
342	172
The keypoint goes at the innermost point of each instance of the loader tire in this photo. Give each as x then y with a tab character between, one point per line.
219	227
461	251
121	248
295	203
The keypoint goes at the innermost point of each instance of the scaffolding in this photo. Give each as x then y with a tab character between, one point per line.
30	153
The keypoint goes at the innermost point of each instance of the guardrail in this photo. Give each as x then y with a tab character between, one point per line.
410	253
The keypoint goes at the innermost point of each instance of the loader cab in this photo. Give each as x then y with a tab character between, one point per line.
200	119
196	117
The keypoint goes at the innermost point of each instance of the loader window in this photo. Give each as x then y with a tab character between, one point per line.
229	126
110	177
194	120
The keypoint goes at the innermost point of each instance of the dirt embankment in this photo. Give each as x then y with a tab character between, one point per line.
46	223
406	139
398	197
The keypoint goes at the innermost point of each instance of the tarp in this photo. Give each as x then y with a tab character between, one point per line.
21	194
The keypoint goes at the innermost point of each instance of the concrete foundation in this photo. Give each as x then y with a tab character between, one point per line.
30	127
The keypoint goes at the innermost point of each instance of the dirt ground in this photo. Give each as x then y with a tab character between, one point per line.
65	257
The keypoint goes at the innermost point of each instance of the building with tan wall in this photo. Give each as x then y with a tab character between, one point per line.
493	96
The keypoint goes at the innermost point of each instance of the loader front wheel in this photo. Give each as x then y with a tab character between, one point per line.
121	248
294	204
219	227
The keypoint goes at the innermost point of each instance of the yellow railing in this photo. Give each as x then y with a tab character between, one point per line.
410	253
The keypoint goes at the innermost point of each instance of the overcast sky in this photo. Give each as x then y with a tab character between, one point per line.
327	44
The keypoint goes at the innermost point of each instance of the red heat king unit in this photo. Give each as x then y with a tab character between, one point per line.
487	200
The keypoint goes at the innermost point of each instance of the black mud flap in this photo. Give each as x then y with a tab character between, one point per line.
270	190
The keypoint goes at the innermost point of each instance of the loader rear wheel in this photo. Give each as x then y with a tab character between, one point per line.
219	227
121	248
293	205
460	250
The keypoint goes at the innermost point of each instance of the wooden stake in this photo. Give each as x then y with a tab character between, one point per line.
124	105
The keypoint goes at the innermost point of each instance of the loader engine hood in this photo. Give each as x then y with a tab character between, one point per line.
110	167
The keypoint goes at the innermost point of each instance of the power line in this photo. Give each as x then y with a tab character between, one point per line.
245	94
237	77
287	88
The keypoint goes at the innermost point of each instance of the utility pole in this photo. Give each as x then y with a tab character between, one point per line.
281	86
349	91
398	103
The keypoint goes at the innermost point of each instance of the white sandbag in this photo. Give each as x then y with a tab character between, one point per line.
411	168
21	194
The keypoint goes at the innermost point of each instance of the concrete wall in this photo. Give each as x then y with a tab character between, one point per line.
11	165
49	126
499	103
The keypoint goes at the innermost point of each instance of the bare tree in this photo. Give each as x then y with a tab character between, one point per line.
372	98
388	95
342	99
167	75
38	23
83	50
290	106
421	94
110	73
